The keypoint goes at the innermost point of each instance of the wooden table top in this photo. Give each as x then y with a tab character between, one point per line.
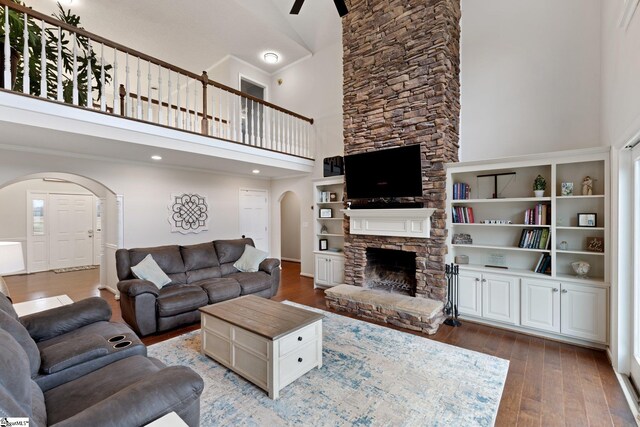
267	318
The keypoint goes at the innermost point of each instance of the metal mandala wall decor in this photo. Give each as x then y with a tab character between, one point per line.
188	213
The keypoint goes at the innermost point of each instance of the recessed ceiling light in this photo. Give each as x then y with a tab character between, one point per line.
256	171
271	58
156	157
67	2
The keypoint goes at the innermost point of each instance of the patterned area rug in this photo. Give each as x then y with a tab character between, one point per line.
371	375
68	269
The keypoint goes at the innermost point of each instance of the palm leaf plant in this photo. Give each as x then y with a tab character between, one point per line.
86	57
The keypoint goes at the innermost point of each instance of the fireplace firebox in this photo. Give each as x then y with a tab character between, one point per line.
390	270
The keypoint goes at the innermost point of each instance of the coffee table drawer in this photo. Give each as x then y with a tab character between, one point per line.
298	362
298	339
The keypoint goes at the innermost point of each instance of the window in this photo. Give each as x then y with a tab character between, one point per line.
38	217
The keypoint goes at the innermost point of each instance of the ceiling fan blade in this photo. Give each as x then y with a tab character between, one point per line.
342	8
296	7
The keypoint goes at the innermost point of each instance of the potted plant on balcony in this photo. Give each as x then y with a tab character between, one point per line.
86	57
539	185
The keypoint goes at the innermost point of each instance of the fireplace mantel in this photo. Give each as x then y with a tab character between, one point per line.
390	222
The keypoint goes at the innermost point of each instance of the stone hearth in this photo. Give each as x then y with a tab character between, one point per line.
401	87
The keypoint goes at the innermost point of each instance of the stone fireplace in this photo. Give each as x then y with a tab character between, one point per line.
390	270
401	87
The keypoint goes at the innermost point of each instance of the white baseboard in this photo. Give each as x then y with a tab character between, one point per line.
290	259
307	275
630	395
115	292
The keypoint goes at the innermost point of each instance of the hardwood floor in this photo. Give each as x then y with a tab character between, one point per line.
548	384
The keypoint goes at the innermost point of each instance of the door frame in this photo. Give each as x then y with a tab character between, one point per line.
634	360
268	211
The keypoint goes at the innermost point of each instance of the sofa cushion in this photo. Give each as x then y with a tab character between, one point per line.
229	251
6	305
22	337
221	289
148	269
251	283
200	256
250	260
66	354
38	408
167	257
179	299
15	381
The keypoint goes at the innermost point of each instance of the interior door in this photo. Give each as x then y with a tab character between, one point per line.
37	232
254	217
71	230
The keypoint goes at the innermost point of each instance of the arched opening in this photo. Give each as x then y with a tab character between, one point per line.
290	246
65	222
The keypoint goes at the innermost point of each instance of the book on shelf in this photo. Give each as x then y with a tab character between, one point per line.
535	238
461	191
543	265
462	215
539	215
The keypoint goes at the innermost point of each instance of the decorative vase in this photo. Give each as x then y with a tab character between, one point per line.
538	193
581	268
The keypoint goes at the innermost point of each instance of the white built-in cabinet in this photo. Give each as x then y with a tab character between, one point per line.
555	303
329	232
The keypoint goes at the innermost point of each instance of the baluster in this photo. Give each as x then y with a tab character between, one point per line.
75	70
127	105
149	100
236	118
89	77
252	132
214	127
159	115
138	92
308	139
43	63
59	88
186	103
299	136
103	95
259	127
26	79
178	104
7	50
227	133
220	128
169	107
116	100
196	122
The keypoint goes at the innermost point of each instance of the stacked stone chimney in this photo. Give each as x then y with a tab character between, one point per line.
401	62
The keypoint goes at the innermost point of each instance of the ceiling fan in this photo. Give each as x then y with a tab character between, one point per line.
342	8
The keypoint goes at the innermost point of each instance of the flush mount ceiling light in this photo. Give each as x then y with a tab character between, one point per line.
271	58
67	2
255	171
156	157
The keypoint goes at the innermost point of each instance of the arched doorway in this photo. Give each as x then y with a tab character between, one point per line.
32	200
290	247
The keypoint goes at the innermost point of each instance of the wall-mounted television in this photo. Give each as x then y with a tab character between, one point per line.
390	173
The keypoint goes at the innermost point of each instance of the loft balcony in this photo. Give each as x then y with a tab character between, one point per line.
73	84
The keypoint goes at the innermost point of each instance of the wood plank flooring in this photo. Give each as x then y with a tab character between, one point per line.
548	384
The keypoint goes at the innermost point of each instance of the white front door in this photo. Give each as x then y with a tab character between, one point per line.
254	217
71	230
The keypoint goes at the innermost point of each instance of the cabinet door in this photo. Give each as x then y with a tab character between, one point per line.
540	305
322	270
500	298
337	271
584	312
469	294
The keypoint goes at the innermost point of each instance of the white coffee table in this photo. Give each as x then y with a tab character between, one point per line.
42	304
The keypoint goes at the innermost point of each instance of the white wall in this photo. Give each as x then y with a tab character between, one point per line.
290	226
228	72
620	75
146	190
530	76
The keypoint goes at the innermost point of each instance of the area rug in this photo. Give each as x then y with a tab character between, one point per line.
68	269
371	376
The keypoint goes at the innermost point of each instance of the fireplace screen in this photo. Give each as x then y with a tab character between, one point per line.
391	271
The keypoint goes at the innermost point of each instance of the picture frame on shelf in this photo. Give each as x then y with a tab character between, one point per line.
587	220
323	244
333	197
326	213
566	189
595	244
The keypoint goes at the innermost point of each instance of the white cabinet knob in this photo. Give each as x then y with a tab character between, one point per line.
555	289
564	291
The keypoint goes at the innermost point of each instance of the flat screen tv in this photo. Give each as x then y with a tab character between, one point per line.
395	172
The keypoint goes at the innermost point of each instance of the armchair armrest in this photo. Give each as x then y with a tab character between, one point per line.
135	287
172	389
60	320
269	264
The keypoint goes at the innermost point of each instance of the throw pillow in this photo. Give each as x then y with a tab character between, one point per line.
250	259
149	270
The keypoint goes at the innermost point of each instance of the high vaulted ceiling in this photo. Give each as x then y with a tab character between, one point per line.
195	34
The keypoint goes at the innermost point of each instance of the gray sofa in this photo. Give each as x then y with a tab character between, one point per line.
200	275
58	368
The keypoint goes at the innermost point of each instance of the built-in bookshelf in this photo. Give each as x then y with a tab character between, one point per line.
328	231
520	246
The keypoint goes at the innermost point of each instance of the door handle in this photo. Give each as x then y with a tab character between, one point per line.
90	233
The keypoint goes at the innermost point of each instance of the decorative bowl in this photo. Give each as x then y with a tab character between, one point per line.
581	268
